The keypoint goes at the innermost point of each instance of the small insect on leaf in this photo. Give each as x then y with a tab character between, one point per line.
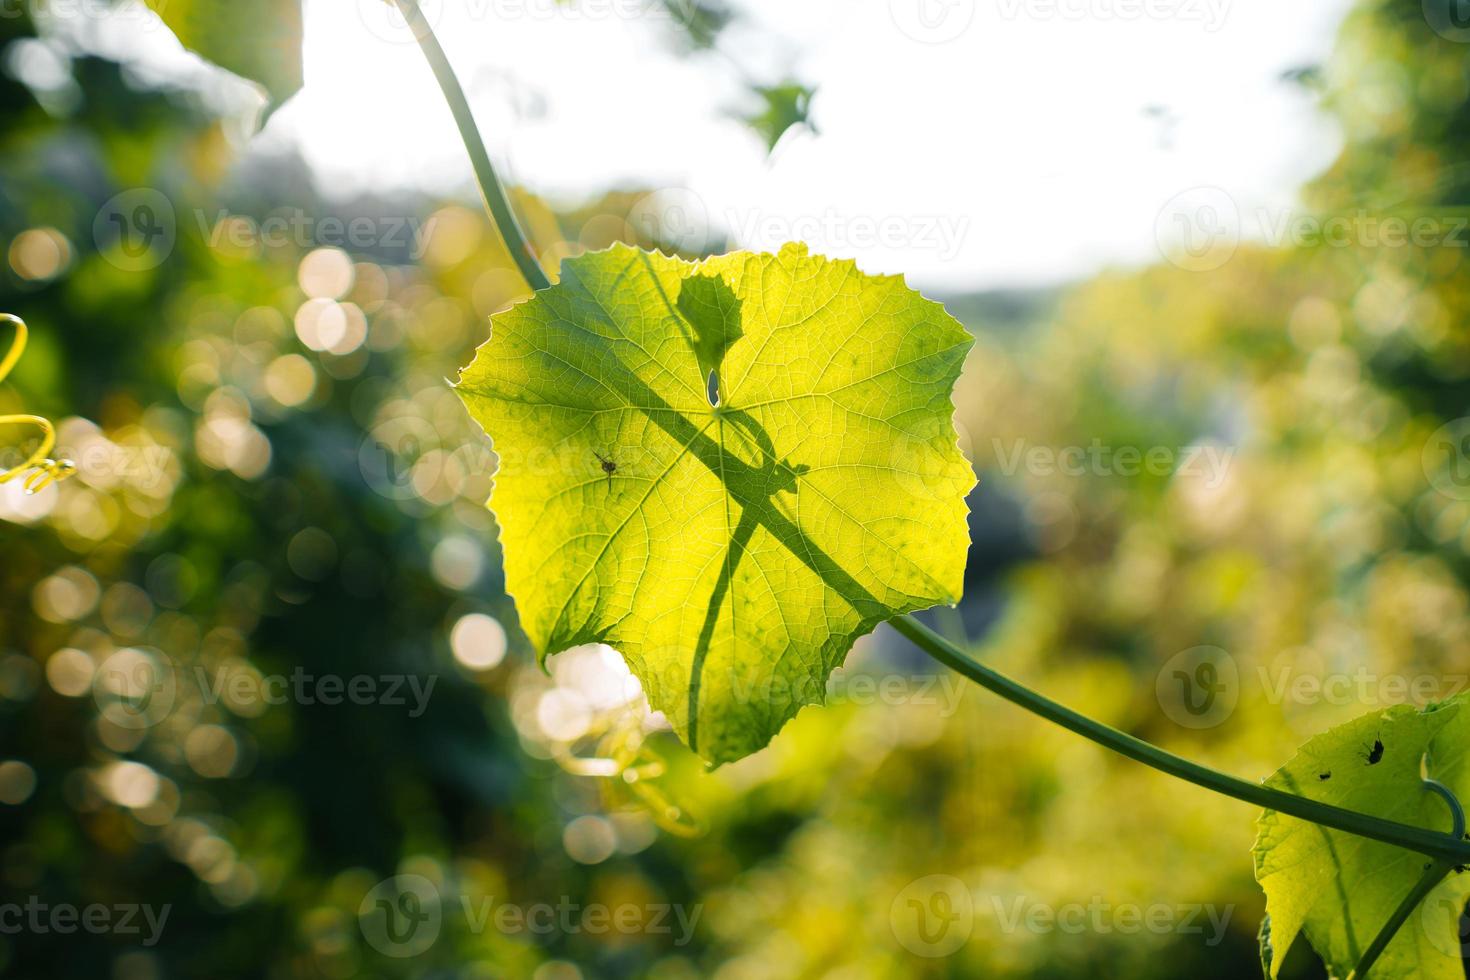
1324	776
1376	755
608	466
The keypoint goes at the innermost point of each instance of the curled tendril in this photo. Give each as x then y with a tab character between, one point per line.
1457	812
630	768
43	470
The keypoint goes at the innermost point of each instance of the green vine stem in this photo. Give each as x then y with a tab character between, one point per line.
1450	850
492	192
1442	847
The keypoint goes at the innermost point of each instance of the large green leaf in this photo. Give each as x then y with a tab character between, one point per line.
737	550
1339	889
256	39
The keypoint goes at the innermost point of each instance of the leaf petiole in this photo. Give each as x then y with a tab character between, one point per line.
492	192
1434	873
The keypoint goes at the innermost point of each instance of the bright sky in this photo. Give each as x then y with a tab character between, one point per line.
966	143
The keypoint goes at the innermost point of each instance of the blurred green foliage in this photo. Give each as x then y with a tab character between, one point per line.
276	480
